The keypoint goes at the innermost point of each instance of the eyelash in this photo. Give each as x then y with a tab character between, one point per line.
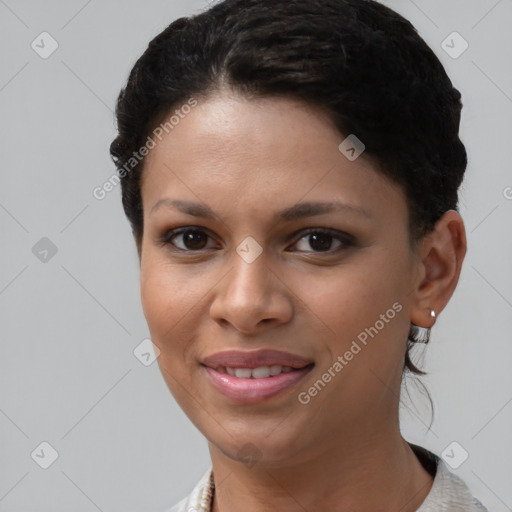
346	239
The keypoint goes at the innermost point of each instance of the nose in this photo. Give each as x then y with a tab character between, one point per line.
252	297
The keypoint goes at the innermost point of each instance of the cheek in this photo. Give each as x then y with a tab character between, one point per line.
353	297
166	293
362	303
155	297
168	298
172	298
163	306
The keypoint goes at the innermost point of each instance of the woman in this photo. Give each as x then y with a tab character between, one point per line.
290	171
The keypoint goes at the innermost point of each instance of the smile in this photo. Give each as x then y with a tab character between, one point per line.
261	372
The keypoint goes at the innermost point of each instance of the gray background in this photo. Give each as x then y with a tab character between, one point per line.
70	324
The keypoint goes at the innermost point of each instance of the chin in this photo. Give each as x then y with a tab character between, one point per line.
278	449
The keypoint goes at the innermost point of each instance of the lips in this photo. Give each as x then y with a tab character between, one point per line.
255	359
255	376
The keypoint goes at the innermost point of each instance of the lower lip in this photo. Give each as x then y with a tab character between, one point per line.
249	391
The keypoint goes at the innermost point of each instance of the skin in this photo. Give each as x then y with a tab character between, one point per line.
248	159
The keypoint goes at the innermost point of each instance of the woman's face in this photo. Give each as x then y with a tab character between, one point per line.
259	273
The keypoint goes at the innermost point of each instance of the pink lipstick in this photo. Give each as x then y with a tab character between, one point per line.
253	376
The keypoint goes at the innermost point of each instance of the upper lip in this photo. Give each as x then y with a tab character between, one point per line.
254	359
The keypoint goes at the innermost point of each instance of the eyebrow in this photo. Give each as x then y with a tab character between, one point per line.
297	211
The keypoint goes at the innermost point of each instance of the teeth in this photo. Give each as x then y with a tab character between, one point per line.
261	372
243	373
275	370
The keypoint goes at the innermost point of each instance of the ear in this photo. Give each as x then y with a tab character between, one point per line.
441	255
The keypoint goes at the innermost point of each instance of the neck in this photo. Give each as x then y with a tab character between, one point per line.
380	473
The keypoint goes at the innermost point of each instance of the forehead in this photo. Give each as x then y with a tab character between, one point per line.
229	151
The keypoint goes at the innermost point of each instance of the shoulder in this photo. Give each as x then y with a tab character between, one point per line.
449	493
199	498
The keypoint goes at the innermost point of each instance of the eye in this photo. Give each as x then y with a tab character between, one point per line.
193	239
321	239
